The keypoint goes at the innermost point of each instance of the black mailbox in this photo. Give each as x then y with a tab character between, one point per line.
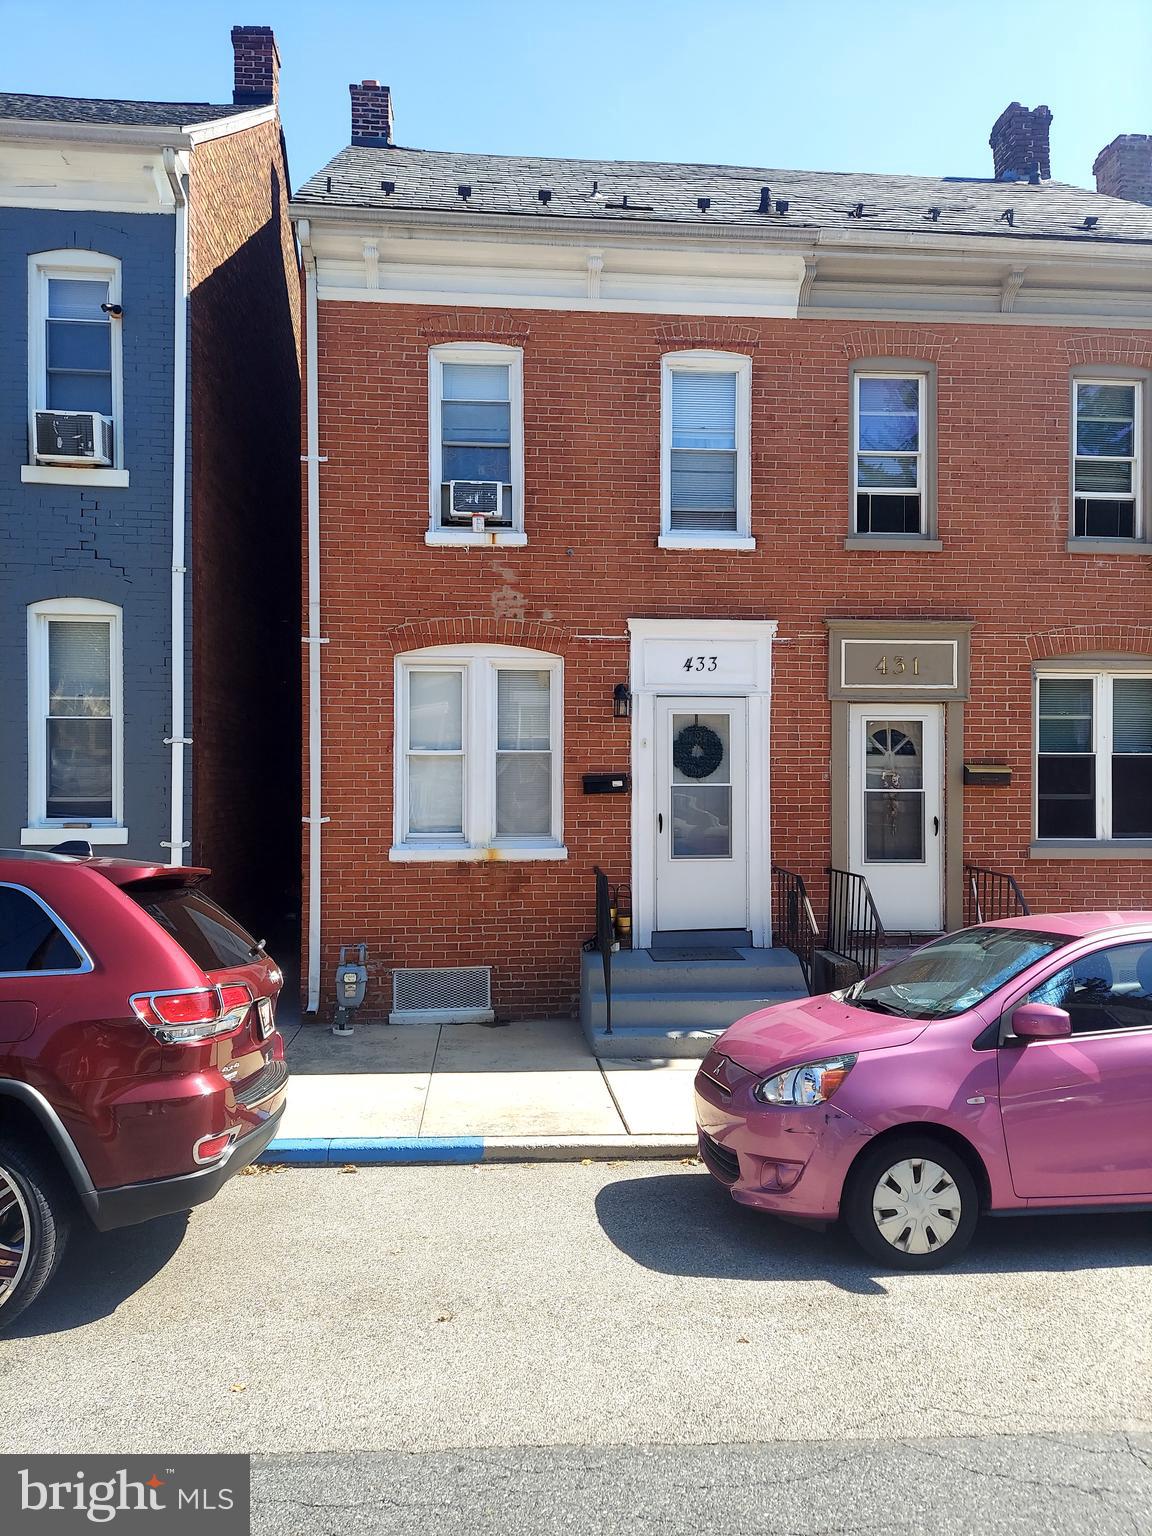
607	784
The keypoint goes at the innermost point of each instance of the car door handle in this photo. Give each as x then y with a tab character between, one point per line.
936	826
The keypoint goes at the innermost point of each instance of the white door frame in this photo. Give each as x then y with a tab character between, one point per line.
936	842
742	650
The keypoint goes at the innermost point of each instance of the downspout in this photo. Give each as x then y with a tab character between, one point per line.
313	640
178	741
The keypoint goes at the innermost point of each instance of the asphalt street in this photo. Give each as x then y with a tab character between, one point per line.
588	1349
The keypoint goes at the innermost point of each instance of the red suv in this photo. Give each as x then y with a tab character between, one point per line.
140	1065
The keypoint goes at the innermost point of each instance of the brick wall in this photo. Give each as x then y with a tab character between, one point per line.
592	411
245	309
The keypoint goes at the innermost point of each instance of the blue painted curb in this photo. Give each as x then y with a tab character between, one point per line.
322	1151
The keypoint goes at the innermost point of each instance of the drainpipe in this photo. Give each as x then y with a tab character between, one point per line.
314	821
178	741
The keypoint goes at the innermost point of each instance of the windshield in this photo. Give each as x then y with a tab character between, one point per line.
953	974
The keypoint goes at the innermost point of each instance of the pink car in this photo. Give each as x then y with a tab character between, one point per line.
1004	1069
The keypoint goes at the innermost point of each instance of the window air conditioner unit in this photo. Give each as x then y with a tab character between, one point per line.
476	498
73	437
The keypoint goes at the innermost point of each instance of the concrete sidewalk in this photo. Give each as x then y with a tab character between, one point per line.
471	1092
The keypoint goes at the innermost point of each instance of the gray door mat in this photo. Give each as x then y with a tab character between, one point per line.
719	952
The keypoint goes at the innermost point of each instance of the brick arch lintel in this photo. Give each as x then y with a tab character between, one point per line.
1132	351
1091	640
530	634
898	341
675	335
475	325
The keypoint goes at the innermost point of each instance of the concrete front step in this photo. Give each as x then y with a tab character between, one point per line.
678	1008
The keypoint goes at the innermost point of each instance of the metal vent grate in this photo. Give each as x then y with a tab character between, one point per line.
442	995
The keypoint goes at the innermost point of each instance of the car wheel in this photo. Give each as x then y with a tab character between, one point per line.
912	1204
34	1221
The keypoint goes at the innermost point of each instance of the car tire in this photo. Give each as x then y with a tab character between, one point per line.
35	1218
912	1203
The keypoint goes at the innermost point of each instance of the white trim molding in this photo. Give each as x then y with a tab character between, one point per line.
489	355
660	652
40	617
478	840
63	474
739	364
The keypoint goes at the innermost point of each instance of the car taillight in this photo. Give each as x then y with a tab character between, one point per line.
209	1148
192	1014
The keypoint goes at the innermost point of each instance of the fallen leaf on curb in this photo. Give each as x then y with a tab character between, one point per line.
238	1386
742	1340
689	1162
585	1162
446	1317
349	1168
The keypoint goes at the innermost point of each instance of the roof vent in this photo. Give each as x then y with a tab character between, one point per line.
765	200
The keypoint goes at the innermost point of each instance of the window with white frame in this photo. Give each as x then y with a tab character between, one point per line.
705	447
1094	756
478	763
75	361
889	452
75	725
1106	468
476	457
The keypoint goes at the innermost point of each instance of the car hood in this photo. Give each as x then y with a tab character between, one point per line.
789	1034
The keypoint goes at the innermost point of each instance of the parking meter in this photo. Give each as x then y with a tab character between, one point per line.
351	984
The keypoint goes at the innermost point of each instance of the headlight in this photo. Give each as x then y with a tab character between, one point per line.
810	1084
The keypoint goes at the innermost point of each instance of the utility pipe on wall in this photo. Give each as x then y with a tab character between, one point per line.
314	820
178	740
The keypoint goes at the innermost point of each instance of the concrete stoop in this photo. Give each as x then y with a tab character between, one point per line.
667	1008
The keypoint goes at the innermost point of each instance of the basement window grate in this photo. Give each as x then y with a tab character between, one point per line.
442	995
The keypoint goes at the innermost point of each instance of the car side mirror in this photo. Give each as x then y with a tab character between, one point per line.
1040	1021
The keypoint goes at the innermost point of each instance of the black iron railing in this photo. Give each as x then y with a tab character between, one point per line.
794	922
854	927
604	940
990	894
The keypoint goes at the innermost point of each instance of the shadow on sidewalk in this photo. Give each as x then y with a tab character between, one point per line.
686	1225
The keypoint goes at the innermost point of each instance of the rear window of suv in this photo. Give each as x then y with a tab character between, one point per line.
202	929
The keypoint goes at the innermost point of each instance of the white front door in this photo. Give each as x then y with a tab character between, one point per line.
701	813
896	810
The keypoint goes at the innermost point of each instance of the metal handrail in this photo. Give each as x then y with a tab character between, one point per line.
604	940
854	927
795	925
990	894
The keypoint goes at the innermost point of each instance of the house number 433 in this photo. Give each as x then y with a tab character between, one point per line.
898	664
700	664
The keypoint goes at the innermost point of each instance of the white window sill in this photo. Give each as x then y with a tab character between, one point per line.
705	541
491	538
64	474
890	541
411	853
1109	547
1128	848
48	837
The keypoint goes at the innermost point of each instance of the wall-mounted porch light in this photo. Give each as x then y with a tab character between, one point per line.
621	702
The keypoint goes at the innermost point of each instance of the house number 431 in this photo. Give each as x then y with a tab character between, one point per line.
700	664
898	664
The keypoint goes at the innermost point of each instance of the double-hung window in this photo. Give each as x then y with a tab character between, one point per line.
889	456
75	724
705	478
1094	756
1106	454
74	332
478	754
476	447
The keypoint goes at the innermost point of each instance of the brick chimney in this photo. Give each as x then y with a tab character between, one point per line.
257	77
1019	141
1124	168
371	114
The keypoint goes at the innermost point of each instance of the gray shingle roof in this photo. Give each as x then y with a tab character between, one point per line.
508	184
124	114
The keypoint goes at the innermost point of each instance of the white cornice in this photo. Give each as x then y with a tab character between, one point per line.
148	135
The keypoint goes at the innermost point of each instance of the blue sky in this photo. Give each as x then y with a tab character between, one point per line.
837	85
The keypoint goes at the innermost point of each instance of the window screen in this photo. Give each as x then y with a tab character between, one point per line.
703	468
